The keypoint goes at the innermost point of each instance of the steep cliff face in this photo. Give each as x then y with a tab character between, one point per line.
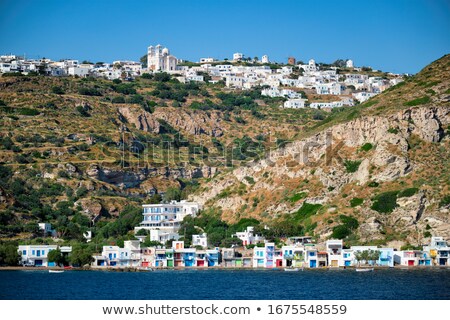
132	177
191	122
343	160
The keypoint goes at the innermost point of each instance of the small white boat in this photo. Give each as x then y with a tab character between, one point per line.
55	271
364	269
291	269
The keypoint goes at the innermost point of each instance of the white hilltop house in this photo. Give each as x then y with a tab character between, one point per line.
238	56
265	59
159	59
163	220
200	240
248	237
295	103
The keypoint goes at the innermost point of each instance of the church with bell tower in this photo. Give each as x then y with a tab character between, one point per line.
159	59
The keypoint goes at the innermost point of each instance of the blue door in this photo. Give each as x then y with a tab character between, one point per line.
347	263
312	263
38	263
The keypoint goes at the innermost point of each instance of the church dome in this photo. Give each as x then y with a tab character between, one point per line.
165	51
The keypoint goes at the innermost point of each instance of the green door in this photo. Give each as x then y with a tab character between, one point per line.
170	263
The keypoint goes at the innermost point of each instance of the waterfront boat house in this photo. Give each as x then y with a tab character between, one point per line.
334	250
439	251
411	258
37	255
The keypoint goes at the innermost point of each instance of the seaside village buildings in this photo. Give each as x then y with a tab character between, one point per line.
162	223
344	87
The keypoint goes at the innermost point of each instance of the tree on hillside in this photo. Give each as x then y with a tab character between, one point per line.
56	257
172	193
9	255
143	60
80	256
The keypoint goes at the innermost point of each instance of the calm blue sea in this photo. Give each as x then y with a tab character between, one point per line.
227	284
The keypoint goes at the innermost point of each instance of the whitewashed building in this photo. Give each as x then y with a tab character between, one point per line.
238	56
200	240
166	217
248	237
37	255
334	250
159	59
295	103
439	251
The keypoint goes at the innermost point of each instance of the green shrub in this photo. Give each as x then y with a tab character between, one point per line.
366	147
296	197
306	210
407	192
385	202
124	88
341	232
393	130
147	76
27	111
2	103
356	202
418	101
349	222
249	179
352	166
445	201
373	184
57	90
135	98
89	91
83	112
118	99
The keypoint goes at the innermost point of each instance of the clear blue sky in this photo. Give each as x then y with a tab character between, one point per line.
392	35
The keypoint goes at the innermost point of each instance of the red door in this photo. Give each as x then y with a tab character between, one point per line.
279	263
410	262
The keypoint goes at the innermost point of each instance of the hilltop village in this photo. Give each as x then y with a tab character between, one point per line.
161	224
329	85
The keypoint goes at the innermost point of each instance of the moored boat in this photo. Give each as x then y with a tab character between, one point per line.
291	269
364	269
55	271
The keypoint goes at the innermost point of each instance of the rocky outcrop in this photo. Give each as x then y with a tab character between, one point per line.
141	119
191	122
132	178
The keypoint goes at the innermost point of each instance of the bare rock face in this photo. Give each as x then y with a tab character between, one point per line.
195	123
192	122
92	208
69	168
371	229
141	119
427	123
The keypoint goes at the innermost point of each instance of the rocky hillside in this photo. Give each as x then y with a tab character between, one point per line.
75	152
388	168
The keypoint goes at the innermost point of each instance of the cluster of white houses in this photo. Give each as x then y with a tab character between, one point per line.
328	81
301	252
